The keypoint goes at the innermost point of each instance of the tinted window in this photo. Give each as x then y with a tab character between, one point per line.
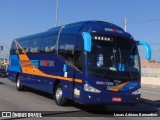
79	53
79	59
13	48
79	43
49	44
66	47
117	57
34	45
24	45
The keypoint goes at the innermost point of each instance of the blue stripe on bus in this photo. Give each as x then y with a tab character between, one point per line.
14	68
35	63
129	86
14	63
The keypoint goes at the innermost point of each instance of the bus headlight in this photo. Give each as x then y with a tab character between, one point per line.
137	92
91	89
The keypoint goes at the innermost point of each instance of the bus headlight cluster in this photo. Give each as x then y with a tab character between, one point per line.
137	92
102	38
89	88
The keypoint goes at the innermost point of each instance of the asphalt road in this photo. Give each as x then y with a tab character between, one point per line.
13	100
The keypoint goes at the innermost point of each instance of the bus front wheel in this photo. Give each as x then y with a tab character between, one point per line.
58	96
19	86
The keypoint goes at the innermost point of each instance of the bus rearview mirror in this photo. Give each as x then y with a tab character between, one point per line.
147	47
87	41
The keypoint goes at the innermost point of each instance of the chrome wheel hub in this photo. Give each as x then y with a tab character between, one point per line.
18	83
59	94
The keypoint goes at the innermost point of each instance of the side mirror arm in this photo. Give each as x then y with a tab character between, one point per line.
147	47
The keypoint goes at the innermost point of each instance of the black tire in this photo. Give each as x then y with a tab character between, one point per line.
58	96
19	86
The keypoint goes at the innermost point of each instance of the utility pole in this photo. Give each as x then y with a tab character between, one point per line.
125	25
56	13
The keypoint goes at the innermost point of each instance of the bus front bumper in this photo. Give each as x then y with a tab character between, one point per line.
112	98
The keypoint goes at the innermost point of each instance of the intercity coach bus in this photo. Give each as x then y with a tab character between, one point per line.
89	62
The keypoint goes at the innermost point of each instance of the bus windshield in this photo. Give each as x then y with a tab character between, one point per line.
113	57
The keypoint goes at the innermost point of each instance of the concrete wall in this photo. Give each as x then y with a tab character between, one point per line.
150	81
150	72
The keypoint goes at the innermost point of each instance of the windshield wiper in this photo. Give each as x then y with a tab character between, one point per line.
130	74
94	73
105	73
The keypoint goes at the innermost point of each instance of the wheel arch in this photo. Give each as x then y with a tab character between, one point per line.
17	75
56	82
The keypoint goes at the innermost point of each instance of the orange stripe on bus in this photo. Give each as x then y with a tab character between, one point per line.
31	69
117	88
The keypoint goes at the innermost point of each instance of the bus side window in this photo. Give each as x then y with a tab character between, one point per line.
78	53
13	48
66	47
34	45
78	60
24	46
134	57
49	43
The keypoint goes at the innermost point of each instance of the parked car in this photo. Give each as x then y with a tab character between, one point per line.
3	72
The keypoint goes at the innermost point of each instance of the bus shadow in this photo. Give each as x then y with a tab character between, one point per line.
41	93
1	83
145	106
151	102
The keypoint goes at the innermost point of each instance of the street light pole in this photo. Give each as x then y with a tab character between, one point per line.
125	25
56	13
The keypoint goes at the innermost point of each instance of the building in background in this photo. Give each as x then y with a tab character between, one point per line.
150	68
150	64
4	63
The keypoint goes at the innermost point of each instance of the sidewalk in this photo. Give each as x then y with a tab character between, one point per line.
150	81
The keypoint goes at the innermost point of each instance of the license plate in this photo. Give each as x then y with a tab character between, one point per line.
116	99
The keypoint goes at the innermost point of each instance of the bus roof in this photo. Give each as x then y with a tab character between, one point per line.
98	27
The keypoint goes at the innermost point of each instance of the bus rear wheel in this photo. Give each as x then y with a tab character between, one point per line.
19	86
58	96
